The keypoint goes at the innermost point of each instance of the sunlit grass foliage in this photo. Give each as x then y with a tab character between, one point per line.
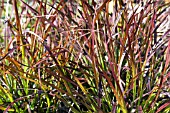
84	56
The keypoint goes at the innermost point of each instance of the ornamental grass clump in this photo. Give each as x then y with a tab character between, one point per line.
84	56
